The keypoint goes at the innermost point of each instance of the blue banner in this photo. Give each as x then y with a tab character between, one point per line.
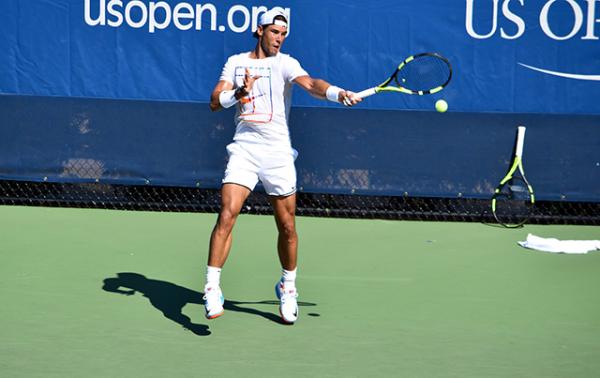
526	56
117	91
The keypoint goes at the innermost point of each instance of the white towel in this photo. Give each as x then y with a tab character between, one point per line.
560	246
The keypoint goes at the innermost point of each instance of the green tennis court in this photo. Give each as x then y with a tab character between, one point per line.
378	298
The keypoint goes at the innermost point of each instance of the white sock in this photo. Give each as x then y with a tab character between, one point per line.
289	278
213	276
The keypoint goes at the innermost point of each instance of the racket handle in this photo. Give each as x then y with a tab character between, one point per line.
520	141
366	93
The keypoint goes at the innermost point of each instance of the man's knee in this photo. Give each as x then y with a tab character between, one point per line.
226	220
287	228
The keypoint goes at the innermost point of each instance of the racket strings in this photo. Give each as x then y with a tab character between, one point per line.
424	73
513	202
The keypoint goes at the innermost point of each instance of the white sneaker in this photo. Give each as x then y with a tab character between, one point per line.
213	302
288	305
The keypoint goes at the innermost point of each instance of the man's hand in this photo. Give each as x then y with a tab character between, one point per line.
246	88
349	98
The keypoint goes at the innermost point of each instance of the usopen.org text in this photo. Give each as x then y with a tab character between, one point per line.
158	15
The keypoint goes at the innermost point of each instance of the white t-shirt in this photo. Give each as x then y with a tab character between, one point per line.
262	116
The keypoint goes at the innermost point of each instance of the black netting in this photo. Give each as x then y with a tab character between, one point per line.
155	198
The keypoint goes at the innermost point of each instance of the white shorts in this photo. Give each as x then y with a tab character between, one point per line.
249	163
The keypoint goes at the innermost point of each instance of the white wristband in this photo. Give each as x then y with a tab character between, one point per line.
333	93
227	98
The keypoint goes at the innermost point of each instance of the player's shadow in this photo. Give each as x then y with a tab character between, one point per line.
170	299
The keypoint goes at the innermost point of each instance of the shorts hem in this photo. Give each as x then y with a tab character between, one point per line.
282	195
236	183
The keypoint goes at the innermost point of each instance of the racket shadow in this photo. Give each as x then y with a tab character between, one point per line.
170	299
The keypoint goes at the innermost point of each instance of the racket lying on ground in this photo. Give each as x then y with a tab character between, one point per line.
513	200
420	74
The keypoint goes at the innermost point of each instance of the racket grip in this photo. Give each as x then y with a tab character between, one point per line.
520	141
366	93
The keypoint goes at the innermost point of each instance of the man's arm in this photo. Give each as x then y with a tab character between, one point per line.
221	86
318	88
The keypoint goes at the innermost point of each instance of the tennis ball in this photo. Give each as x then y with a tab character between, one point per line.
441	106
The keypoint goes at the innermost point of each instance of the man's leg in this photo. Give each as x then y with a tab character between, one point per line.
287	248
232	200
287	241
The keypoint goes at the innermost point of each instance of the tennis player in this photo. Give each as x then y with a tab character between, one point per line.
259	84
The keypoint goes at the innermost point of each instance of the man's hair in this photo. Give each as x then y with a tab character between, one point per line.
278	17
281	18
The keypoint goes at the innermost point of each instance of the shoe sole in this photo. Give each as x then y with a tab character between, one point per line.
215	315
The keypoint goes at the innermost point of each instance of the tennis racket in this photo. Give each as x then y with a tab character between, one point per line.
513	199
420	74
